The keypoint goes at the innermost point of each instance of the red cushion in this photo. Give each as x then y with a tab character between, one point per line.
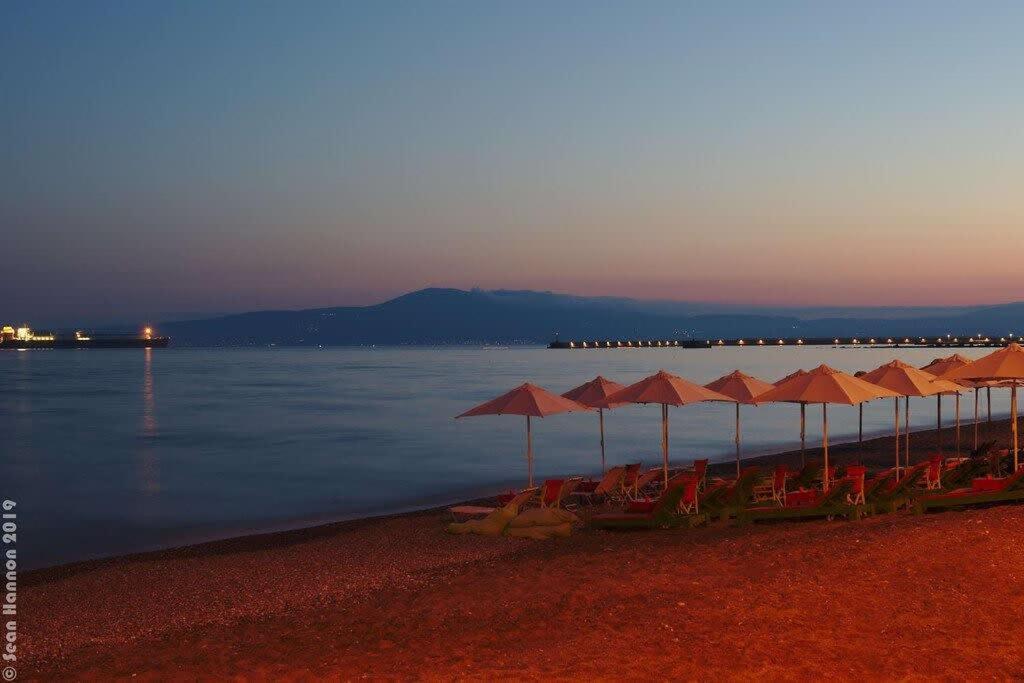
987	484
640	506
798	498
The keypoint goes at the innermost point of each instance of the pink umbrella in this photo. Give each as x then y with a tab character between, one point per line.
668	390
531	401
594	394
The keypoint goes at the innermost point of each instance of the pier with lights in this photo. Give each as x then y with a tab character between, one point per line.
947	341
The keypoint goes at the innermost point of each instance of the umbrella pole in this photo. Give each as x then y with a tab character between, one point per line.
529	451
896	426
975	419
958	424
988	392
860	423
600	419
906	432
938	421
824	443
737	440
803	433
1013	425
664	441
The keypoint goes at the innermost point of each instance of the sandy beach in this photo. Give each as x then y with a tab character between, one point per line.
892	597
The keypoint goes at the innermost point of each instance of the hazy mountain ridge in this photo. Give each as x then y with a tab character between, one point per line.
453	316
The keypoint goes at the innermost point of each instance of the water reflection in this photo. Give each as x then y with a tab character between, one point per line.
150	463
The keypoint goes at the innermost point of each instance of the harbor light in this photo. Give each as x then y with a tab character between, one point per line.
147	332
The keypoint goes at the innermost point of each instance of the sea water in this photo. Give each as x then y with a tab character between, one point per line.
116	451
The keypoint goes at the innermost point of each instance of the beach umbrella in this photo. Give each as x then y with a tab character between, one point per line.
825	385
529	400
593	394
803	413
939	367
742	388
668	390
905	380
1005	366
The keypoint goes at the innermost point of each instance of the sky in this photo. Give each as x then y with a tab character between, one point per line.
166	158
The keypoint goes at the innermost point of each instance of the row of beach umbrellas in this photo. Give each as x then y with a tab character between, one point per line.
824	385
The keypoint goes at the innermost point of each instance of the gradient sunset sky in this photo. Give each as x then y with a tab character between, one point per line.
219	156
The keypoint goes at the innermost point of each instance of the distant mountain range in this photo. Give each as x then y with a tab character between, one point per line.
453	316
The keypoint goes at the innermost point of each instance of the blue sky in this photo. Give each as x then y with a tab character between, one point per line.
182	156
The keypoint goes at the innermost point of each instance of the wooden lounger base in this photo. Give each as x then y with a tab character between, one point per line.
949	502
625	522
781	514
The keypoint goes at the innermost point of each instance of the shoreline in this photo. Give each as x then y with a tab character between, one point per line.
394	596
838	451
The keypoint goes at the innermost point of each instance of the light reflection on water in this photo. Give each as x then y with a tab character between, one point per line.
111	451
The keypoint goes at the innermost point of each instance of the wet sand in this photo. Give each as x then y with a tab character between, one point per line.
894	596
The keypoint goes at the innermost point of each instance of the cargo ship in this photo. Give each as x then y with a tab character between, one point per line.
24	337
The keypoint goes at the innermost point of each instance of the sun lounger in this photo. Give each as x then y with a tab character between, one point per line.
565	497
725	498
461	513
933	473
660	514
775	488
982	491
807	474
891	495
554	491
963	473
700	470
807	504
601	489
646	485
855	475
627	484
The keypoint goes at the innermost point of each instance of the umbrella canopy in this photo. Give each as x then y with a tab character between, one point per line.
739	386
906	380
742	388
1005	366
792	375
526	399
668	390
941	366
825	385
594	394
529	400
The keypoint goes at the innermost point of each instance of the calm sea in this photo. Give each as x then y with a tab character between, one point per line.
116	451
